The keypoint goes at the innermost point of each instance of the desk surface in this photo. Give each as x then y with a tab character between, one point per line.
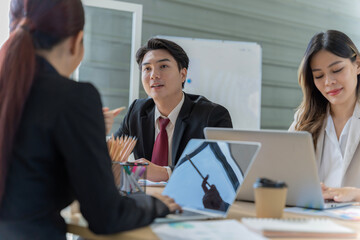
237	211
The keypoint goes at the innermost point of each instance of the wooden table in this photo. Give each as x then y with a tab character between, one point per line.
237	211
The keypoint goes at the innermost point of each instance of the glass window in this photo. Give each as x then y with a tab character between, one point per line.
106	64
4	23
112	35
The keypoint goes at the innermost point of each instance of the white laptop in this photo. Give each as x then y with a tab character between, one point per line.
285	156
207	178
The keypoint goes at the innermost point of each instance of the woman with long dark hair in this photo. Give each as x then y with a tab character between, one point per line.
329	76
52	132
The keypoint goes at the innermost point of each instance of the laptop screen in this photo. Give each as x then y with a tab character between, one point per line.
209	174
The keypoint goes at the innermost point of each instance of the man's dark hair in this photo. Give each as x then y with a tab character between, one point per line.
174	49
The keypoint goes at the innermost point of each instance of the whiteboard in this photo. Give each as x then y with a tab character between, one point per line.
227	73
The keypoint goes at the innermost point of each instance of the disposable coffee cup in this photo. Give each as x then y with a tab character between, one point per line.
270	198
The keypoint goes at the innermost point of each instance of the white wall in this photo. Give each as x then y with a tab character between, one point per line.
283	28
234	82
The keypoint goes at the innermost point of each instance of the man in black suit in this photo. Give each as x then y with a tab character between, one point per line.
163	66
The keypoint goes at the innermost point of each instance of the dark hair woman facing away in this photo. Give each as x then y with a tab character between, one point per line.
52	132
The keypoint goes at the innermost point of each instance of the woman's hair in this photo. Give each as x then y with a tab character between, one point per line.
312	110
34	24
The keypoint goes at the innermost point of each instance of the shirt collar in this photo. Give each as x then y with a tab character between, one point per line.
330	129
173	114
42	65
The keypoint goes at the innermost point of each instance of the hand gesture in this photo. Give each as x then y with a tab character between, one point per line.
109	117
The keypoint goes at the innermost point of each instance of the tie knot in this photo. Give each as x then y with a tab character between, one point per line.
163	122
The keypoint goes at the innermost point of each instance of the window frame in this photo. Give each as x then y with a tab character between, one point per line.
136	10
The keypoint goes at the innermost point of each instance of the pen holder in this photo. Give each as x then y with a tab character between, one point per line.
127	175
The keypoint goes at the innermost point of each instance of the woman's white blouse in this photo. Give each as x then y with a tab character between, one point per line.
332	160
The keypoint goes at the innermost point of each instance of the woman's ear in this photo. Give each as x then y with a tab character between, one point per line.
77	43
357	61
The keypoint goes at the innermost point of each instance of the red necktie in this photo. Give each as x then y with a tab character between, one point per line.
161	151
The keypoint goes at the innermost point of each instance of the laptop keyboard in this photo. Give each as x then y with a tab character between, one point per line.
185	215
188	213
329	203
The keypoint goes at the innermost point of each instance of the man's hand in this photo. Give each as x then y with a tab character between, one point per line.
344	194
155	172
109	117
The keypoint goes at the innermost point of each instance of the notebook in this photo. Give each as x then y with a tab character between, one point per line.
207	178
285	156
302	228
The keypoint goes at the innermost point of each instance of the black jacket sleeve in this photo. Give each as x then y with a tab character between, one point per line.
220	117
80	138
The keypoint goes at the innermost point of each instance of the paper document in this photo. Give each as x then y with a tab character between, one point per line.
303	228
201	230
345	213
149	183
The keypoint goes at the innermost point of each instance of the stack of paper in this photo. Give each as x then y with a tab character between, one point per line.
148	183
346	213
311	227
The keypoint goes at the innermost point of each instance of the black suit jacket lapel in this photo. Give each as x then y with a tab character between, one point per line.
180	126
148	131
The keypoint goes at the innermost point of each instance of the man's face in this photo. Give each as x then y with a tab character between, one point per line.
161	77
